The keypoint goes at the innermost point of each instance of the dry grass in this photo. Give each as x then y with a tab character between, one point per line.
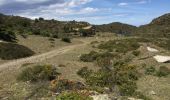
9	87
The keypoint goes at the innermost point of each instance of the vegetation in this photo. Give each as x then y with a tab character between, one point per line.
38	73
11	51
120	46
72	96
150	71
118	28
62	85
121	75
41	26
92	56
68	40
7	35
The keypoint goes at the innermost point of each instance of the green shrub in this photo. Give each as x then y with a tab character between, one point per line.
84	72
163	71
72	96
66	85
121	46
89	57
128	88
11	51
38	73
7	35
101	78
92	56
150	71
68	40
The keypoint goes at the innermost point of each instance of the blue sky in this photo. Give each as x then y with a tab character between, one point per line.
135	12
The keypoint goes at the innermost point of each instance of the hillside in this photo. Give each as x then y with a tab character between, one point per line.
116	27
40	26
159	27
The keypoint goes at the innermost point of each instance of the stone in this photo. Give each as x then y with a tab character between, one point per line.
152	49
162	59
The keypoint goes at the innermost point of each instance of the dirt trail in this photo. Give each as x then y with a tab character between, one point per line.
39	58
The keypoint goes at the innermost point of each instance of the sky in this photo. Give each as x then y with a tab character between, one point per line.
134	12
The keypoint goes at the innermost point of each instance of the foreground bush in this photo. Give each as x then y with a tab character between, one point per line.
89	57
61	85
121	46
72	96
38	73
9	51
123	76
92	56
68	40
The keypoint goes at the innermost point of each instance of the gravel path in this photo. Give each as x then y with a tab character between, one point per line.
38	58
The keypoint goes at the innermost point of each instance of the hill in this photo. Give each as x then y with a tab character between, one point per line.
159	27
116	27
40	26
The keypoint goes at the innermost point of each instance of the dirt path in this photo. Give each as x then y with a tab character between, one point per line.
39	58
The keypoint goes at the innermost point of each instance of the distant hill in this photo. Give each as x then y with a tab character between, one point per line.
116	27
40	26
159	27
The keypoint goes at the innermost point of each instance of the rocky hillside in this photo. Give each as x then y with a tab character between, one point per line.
116	27
159	27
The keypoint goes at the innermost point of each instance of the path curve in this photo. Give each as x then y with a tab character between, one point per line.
39	58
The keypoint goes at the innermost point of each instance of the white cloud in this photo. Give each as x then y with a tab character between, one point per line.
123	4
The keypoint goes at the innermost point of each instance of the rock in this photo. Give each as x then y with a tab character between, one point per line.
101	97
130	98
152	49
162	59
152	93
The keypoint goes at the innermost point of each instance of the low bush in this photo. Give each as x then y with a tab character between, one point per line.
38	73
68	40
163	71
128	88
73	96
92	56
11	51
121	46
150	71
124	76
66	85
89	57
84	72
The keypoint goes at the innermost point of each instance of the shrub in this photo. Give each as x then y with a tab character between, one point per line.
92	56
72	96
163	71
121	46
38	73
11	51
89	57
68	40
150	71
66	85
7	35
128	88
84	72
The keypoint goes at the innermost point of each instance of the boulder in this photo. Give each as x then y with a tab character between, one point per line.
162	59
152	49
101	97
